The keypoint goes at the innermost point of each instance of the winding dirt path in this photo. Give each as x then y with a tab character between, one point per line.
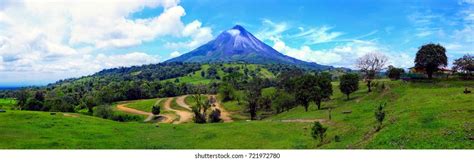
225	115
168	118
184	116
180	101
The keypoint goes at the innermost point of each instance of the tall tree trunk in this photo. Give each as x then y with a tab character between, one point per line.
369	85
318	102
347	96
430	74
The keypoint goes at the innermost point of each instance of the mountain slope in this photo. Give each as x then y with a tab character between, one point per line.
239	45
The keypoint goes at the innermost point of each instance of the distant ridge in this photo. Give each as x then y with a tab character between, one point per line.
239	45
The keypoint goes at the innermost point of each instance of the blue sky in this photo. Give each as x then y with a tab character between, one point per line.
41	42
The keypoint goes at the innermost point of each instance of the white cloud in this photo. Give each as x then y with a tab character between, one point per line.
63	38
129	59
461	40
199	35
174	54
342	55
318	35
271	30
233	32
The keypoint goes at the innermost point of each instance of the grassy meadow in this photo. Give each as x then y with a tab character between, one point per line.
419	116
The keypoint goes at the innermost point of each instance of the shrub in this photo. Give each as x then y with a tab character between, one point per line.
215	116
394	73
104	111
125	117
380	116
156	110
318	131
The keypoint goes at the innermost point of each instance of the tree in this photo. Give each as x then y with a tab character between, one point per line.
22	97
465	64
227	92
325	86
211	72
318	131
283	101
349	83
430	57
254	92
394	73
36	102
156	110
370	64
200	108
306	89
380	116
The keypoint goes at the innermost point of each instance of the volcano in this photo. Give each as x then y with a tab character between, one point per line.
239	45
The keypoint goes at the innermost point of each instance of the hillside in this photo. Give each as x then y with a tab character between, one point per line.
419	116
239	45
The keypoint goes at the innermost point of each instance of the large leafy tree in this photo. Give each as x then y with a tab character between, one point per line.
465	64
306	90
431	57
370	64
254	92
349	83
325	86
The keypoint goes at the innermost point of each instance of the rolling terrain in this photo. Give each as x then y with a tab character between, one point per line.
419	116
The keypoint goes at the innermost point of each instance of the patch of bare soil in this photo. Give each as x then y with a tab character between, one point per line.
180	101
184	116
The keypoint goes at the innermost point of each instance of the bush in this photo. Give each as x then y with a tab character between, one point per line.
380	116
104	111
394	73
215	116
318	131
125	117
156	110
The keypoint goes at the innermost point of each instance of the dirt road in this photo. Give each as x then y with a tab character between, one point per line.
180	101
168	118
184	116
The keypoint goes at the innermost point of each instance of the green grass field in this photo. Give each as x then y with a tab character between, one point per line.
419	116
143	105
7	103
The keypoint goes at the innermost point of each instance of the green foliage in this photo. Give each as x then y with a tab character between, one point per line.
325	86
283	101
306	90
200	108
227	92
103	111
318	131
464	64
430	57
156	109
253	94
121	117
215	116
349	83
394	73
380	116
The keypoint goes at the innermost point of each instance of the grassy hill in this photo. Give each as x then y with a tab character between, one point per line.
419	115
197	78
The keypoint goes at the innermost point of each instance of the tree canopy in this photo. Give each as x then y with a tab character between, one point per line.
431	57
